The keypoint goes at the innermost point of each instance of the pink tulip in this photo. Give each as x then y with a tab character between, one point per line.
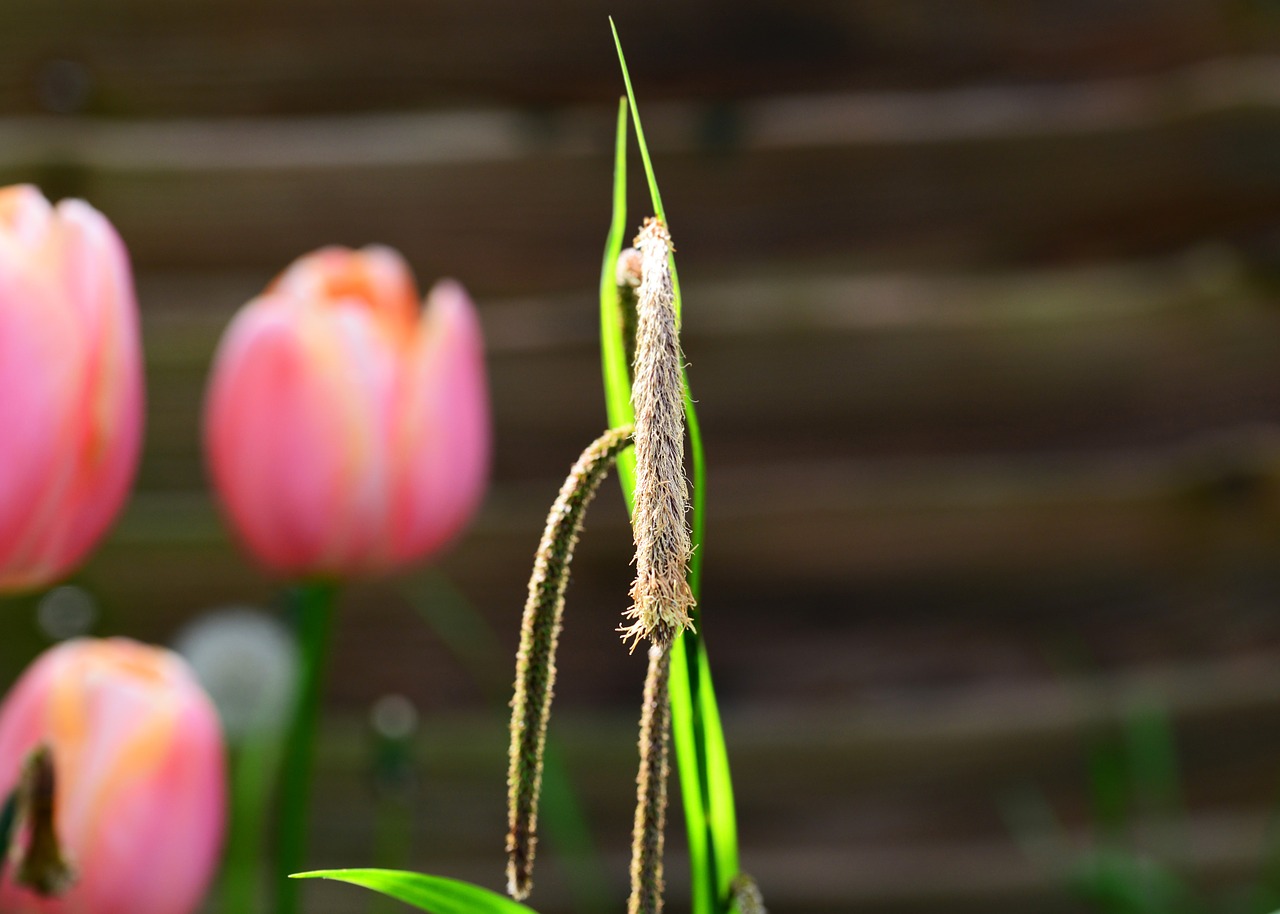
347	429
70	384
139	769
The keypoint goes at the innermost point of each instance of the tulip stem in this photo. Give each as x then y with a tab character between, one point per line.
255	770
312	604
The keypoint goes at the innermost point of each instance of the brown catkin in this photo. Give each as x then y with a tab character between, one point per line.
40	865
536	659
660	597
651	787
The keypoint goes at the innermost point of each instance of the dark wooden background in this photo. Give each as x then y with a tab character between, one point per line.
981	311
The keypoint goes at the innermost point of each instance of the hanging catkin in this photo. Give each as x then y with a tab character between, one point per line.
536	659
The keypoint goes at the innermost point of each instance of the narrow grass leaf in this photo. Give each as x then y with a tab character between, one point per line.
706	785
613	349
427	893
635	116
721	812
1153	761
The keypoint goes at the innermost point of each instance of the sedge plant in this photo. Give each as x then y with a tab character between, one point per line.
650	411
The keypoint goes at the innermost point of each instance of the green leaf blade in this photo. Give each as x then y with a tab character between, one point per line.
701	755
635	118
613	349
426	893
721	811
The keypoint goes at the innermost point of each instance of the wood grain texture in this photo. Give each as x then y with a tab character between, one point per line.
151	57
962	177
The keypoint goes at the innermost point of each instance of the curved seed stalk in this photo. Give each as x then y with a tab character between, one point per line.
535	661
661	597
651	787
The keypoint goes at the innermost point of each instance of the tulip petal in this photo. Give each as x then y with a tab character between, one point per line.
108	404
444	430
292	427
375	277
41	367
70	368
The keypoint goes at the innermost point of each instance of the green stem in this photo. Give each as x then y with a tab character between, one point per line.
255	765
313	607
392	841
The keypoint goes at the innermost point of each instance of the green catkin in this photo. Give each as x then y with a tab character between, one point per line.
651	787
661	597
535	661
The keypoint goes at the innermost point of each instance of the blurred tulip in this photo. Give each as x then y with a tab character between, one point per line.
347	430
139	774
71	377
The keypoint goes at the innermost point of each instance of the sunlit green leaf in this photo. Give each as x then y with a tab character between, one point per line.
427	893
613	348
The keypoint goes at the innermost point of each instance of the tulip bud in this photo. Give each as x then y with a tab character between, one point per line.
139	795
346	429
71	376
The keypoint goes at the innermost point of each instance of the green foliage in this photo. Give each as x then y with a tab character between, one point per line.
427	893
1119	881
613	349
706	786
313	607
1139	830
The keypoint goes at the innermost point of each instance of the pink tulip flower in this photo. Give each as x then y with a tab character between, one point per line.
139	776
70	384
346	428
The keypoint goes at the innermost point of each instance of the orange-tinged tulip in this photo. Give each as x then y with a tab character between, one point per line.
347	428
139	776
70	383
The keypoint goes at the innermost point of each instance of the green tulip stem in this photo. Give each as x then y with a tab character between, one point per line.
313	604
255	769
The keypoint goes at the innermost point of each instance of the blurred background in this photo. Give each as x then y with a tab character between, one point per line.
981	311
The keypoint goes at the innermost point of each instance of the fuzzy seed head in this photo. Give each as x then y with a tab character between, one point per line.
661	597
536	659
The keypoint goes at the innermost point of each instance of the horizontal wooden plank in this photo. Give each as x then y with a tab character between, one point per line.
842	520
1014	176
211	56
997	556
827	366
